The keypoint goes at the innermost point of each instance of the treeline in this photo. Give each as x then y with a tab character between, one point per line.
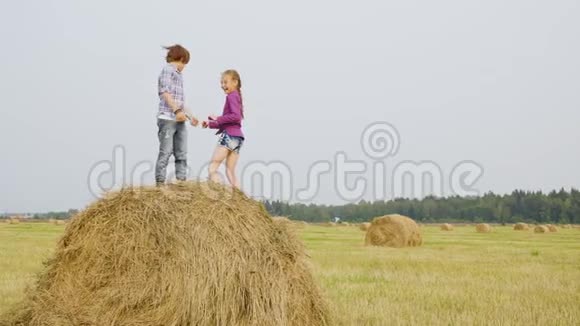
48	215
519	206
56	215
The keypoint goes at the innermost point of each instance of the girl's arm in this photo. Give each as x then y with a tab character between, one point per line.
235	114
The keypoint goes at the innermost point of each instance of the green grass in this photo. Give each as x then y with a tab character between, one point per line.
455	278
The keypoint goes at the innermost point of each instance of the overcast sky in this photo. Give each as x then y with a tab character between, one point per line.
494	82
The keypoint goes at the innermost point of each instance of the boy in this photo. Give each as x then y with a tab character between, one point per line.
171	118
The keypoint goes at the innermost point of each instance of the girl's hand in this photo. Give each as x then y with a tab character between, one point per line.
212	117
204	124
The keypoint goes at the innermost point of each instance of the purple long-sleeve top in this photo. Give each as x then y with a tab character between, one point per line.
231	119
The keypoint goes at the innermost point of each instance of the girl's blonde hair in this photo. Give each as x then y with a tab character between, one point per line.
236	76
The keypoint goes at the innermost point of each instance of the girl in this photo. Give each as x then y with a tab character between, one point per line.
229	126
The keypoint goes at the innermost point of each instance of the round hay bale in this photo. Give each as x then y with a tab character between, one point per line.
393	231
186	254
364	226
446	227
298	224
541	229
281	218
552	228
15	221
60	222
566	226
329	224
291	223
521	227
483	228
7	221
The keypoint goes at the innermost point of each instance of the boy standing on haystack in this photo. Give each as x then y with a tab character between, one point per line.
171	118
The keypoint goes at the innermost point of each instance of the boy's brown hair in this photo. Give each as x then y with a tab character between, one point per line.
177	53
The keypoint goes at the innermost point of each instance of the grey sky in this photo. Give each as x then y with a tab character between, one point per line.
496	82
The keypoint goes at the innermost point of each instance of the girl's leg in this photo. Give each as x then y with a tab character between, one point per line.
231	162
219	154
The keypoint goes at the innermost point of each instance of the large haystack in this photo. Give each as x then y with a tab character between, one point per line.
364	226
483	228
14	220
446	227
566	226
393	231
521	227
181	255
541	229
552	228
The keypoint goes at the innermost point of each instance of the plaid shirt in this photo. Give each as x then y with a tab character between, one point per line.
170	81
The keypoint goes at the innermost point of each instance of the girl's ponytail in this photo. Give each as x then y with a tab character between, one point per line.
241	97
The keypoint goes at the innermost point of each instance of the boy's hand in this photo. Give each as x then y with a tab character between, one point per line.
204	124
180	116
194	121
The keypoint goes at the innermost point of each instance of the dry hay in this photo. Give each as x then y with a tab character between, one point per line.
393	231
177	255
521	227
329	224
566	226
7	221
483	228
552	228
60	222
14	220
364	226
344	223
541	229
446	227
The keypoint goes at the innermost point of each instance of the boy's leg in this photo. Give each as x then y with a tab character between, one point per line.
180	151
166	132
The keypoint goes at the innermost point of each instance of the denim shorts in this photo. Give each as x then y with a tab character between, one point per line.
233	143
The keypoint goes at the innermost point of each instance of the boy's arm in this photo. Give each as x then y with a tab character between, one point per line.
180	115
169	100
164	89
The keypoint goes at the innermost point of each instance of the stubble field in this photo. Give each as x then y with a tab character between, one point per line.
459	277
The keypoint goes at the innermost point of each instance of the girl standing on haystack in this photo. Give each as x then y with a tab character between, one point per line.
229	126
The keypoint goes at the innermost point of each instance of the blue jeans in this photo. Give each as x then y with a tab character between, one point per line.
172	140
